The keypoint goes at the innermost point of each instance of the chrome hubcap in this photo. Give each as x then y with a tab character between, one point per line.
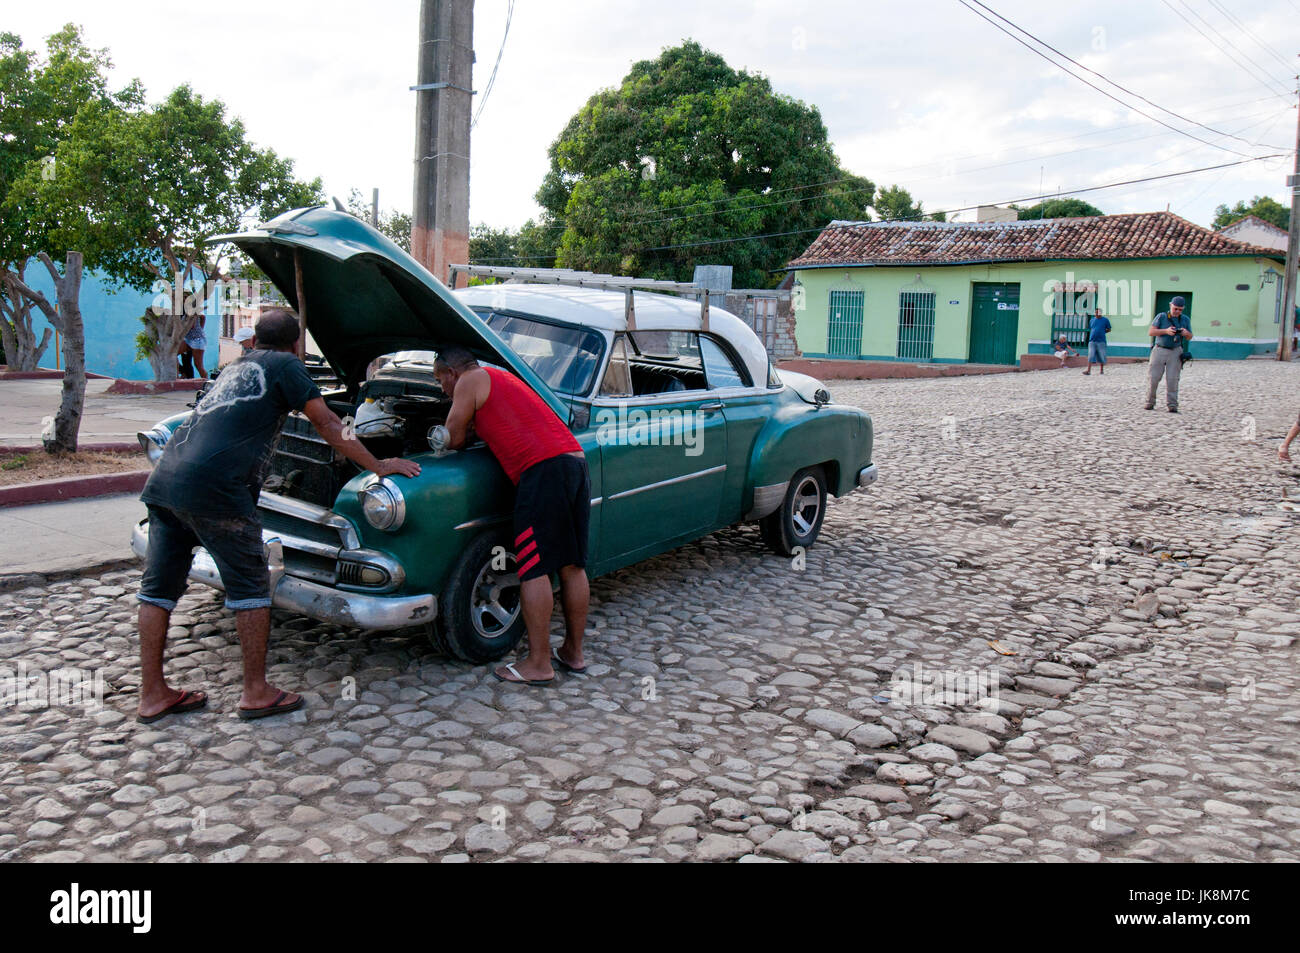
495	603
807	506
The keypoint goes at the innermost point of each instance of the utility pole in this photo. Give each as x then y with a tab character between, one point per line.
1292	247
444	95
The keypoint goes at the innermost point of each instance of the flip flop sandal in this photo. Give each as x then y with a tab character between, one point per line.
189	701
571	669
519	679
275	708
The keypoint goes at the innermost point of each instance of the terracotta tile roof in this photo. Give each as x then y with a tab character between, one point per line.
1104	237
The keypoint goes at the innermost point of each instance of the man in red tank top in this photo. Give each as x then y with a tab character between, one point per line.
552	502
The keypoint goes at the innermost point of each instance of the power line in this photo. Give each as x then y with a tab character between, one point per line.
951	211
487	90
1250	33
1039	53
1115	84
968	208
1264	80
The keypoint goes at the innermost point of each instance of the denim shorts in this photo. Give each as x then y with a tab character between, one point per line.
1096	352
233	542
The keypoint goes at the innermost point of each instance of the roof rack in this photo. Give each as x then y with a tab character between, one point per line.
588	279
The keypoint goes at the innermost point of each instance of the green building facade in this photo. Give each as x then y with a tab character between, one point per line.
905	305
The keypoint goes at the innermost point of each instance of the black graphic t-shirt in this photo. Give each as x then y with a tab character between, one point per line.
213	463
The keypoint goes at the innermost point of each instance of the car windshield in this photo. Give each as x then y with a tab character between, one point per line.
564	357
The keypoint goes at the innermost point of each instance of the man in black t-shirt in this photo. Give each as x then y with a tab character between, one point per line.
204	493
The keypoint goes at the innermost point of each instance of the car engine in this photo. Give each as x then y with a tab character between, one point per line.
391	415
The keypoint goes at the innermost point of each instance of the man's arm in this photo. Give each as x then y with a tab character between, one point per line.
471	391
329	426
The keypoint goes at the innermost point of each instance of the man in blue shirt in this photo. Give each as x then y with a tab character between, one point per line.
1098	327
1168	331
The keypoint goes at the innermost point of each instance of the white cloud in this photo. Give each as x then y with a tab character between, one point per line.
925	94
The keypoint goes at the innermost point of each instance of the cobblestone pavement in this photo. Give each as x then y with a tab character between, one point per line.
1140	565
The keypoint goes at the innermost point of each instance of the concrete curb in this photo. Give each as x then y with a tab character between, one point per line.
45	376
18	449
73	488
21	580
120	387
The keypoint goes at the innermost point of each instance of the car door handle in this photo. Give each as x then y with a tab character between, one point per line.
712	405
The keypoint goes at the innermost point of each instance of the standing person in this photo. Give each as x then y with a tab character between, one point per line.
552	502
204	493
1169	330
1063	350
1098	328
196	340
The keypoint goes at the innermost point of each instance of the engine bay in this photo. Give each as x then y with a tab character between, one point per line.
391	414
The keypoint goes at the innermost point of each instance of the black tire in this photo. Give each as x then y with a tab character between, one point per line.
798	520
480	615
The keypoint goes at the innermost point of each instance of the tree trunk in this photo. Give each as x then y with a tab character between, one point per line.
67	422
21	351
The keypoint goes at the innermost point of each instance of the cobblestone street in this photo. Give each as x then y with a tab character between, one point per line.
1138	568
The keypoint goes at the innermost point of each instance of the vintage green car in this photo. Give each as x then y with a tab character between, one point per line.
687	428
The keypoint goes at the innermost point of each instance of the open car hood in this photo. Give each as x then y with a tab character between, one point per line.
363	296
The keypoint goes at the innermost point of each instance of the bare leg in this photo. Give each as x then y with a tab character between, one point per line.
538	603
254	628
155	693
575	595
199	372
1284	451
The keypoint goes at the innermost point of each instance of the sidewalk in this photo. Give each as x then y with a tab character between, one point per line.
106	418
59	539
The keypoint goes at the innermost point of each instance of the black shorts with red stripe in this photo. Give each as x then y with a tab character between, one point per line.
552	516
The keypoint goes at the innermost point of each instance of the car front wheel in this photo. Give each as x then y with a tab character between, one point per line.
798	520
481	618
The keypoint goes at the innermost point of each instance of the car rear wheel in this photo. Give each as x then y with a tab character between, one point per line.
481	617
798	520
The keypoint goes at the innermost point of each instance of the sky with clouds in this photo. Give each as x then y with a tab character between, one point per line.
924	93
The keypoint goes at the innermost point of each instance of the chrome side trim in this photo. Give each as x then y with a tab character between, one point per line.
481	522
867	476
678	479
767	499
325	603
312	514
596	500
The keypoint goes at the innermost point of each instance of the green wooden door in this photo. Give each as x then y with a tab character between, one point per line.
994	323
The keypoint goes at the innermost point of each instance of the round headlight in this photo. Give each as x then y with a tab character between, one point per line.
383	505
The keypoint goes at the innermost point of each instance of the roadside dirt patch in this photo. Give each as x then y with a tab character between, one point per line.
40	466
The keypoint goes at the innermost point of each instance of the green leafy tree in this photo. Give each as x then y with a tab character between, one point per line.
689	151
144	190
895	204
1057	208
42	103
1261	206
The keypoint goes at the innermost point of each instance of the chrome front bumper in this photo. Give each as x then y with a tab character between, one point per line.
867	476
353	609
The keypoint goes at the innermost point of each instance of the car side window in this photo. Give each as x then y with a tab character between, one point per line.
666	362
618	376
719	369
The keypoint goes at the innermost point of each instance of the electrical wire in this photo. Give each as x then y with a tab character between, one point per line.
1106	79
965	208
487	90
1039	53
1250	33
1265	81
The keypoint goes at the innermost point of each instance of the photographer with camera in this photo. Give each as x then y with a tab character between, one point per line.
1169	330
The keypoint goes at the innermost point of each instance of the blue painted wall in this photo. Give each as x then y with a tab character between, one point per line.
112	318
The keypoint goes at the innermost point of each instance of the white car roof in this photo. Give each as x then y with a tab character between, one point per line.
605	311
